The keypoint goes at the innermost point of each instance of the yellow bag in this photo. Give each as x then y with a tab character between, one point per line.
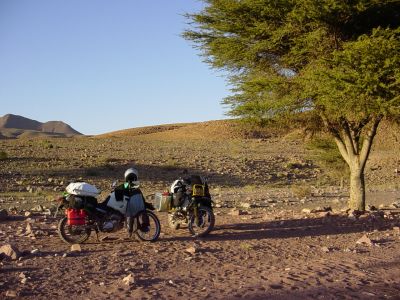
198	190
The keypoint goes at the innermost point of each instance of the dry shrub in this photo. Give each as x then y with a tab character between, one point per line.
3	155
301	191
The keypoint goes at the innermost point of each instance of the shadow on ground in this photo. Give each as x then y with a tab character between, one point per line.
152	173
293	228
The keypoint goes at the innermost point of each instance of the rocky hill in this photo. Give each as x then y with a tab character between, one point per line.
13	126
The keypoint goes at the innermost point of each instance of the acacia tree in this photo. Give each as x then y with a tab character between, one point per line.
336	63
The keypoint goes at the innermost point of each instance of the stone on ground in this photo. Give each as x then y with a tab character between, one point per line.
10	252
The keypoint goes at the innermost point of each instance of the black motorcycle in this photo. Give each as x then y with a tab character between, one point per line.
191	204
83	214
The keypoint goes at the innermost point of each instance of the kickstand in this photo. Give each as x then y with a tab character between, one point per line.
97	236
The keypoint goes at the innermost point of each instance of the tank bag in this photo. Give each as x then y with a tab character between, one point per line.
135	205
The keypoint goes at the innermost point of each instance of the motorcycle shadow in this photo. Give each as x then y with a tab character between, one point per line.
111	240
69	254
289	228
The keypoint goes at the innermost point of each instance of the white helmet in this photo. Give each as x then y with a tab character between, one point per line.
132	176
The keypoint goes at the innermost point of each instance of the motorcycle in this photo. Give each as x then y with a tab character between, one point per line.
83	214
191	204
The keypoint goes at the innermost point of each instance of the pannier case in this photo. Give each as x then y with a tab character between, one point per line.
76	217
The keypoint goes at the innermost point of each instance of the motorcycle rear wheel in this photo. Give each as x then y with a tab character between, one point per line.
72	234
152	233
206	221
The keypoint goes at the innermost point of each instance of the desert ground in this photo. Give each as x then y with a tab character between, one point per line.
282	228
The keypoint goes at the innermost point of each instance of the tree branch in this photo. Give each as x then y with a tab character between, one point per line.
342	149
338	139
367	145
348	138
356	130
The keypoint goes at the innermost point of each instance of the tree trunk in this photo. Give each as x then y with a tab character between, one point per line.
357	189
348	139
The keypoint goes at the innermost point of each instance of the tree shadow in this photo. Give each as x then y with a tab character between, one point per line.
147	172
13	269
113	169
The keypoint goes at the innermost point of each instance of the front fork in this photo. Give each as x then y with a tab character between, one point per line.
130	225
196	214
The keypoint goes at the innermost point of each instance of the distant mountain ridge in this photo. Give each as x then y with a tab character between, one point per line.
12	126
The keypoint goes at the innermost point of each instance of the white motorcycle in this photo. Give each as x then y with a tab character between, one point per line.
83	214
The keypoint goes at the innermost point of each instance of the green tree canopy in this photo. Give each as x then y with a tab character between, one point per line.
336	62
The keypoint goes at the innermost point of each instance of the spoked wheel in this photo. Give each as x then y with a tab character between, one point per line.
149	233
72	234
173	223
204	222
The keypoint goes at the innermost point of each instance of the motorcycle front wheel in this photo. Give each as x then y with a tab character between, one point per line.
172	222
72	234
204	223
151	232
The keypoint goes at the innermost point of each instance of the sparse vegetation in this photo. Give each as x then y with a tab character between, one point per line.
250	188
301	191
172	163
3	155
325	152
246	246
106	163
244	163
47	144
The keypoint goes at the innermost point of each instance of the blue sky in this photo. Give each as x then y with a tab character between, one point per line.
102	65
